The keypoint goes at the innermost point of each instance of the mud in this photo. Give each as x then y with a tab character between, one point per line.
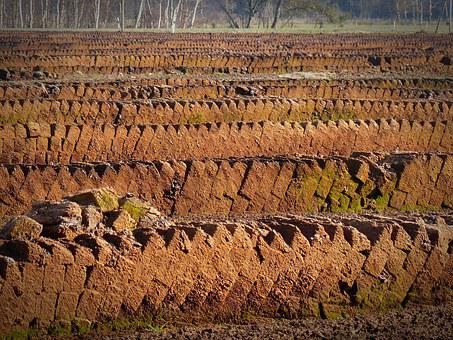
424	322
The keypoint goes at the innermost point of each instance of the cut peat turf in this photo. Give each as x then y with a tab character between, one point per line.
226	185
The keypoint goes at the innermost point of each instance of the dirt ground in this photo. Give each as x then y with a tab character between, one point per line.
420	322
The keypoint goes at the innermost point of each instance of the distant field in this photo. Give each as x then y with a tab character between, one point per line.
303	28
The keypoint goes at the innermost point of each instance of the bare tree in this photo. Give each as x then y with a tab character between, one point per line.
277	10
31	13
21	16
160	14
397	10
174	15
451	13
253	7
243	10
167	14
149	9
58	14
76	13
81	12
44	11
226	7
139	15
122	15
2	3
194	12
98	13
107	13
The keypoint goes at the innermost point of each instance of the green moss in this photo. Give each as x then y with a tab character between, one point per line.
344	202
350	186
327	179
310	309
20	334
196	118
59	330
119	325
247	316
379	296
108	202
105	198
341	205
356	204
339	114
336	315
307	189
135	207
367	188
324	186
382	202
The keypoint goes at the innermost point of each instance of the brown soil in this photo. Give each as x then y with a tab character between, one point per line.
414	322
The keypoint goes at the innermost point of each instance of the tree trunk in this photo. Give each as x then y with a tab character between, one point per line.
175	16
122	16
107	14
397	8
2	8
76	14
276	13
160	14
167	14
150	12
81	11
233	22
43	14
137	22
451	13
194	14
1	13
31	13
58	14
421	12
21	16
98	13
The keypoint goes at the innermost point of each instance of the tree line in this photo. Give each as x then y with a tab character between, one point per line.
187	14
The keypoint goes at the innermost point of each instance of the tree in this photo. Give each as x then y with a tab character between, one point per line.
243	10
277	10
58	14
44	11
139	15
2	11
122	15
21	16
194	12
98	12
174	14
31	13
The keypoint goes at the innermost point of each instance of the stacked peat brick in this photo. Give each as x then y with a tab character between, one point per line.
209	175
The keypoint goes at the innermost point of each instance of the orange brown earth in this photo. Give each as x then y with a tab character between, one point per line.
230	180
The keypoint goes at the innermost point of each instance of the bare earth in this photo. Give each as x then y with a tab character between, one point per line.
415	322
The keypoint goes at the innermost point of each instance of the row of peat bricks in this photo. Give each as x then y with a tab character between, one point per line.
276	266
